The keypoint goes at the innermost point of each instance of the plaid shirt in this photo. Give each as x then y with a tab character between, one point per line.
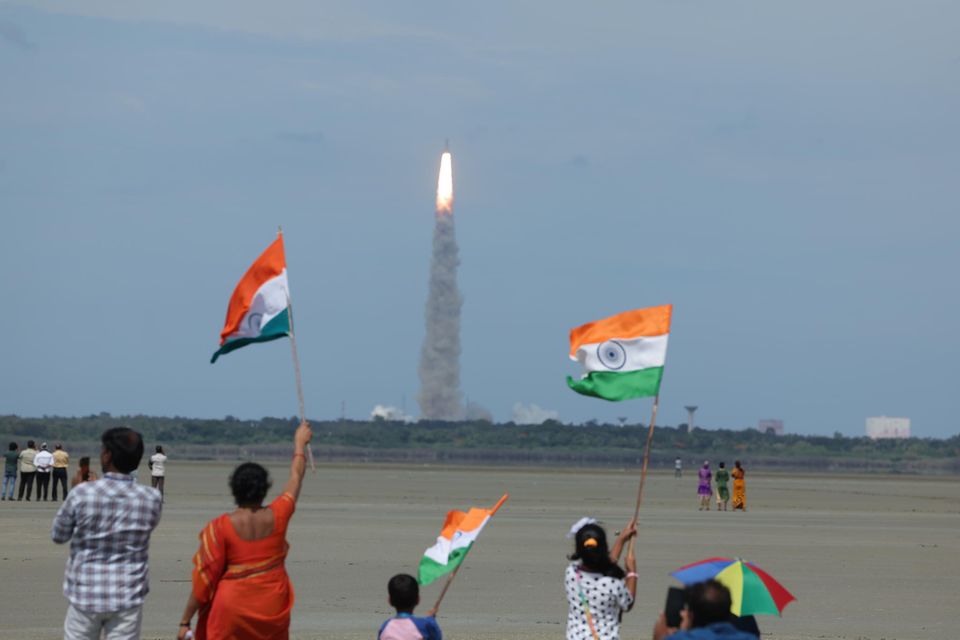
108	523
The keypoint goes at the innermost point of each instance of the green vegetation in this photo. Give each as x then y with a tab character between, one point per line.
548	443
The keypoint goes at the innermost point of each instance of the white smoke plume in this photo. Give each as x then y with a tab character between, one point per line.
439	369
532	414
476	412
390	414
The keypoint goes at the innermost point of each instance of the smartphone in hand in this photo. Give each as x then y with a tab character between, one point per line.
676	601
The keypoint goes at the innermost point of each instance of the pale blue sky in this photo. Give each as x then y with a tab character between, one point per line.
784	174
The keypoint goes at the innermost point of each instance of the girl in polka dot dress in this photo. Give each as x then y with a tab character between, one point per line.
598	590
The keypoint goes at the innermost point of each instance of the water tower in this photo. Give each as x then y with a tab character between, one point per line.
691	409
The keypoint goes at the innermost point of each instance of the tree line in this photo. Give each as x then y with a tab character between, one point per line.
509	441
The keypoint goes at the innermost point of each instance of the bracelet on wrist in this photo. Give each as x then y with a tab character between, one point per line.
632	574
185	624
299	455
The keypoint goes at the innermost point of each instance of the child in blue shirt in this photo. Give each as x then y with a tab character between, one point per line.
404	597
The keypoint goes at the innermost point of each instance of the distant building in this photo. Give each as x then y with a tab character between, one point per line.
884	427
770	426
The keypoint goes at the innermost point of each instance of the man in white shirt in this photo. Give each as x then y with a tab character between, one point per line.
157	469
43	461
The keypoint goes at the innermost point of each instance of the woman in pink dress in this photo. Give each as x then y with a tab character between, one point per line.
703	489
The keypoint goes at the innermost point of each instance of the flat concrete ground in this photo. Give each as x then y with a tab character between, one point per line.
867	557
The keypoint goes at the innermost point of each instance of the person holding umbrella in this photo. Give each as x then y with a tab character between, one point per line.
741	589
705	617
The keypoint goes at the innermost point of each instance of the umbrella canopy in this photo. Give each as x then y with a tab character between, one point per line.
752	590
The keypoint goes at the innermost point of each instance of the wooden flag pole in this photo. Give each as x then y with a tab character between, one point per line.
646	457
453	574
296	369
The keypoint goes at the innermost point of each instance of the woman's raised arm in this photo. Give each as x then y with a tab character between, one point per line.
299	463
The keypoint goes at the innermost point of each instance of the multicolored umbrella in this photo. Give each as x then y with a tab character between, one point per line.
753	590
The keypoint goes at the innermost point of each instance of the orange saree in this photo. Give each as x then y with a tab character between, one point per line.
242	585
739	489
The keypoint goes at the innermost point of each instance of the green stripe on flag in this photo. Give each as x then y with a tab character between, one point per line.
614	386
430	569
278	327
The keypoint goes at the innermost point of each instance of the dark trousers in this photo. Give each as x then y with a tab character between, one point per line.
26	483
157	483
59	477
43	485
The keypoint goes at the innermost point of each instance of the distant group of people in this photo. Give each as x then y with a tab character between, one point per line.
38	466
722	492
41	466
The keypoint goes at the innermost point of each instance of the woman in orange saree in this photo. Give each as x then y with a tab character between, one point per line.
240	586
739	487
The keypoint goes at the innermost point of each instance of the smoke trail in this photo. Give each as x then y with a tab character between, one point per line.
439	370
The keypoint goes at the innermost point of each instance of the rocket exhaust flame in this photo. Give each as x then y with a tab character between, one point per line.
439	369
445	185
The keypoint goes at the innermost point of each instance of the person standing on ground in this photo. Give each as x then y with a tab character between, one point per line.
739	487
10	457
27	470
158	469
43	461
722	478
83	473
598	590
677	468
61	460
703	488
240	582
108	524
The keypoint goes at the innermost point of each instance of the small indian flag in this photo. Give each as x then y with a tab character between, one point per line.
259	306
623	355
459	532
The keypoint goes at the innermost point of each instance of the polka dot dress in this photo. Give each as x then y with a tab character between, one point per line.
607	597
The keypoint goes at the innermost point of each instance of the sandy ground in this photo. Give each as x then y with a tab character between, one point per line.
866	557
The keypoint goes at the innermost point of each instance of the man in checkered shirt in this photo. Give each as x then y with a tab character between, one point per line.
108	523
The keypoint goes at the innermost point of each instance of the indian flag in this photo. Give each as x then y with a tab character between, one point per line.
259	306
623	355
459	532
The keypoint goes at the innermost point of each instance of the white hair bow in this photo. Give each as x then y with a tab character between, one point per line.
579	524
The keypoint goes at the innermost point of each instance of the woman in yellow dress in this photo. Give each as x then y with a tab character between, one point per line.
739	487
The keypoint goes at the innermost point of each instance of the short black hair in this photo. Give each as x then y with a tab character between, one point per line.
159	449
249	484
723	464
404	592
84	461
30	444
13	446
708	602
125	446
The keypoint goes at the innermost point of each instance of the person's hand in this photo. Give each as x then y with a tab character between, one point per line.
629	531
661	630
185	633
303	435
432	613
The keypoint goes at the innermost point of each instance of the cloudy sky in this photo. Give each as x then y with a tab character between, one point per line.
784	174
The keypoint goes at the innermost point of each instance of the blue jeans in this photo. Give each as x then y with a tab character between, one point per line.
9	479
